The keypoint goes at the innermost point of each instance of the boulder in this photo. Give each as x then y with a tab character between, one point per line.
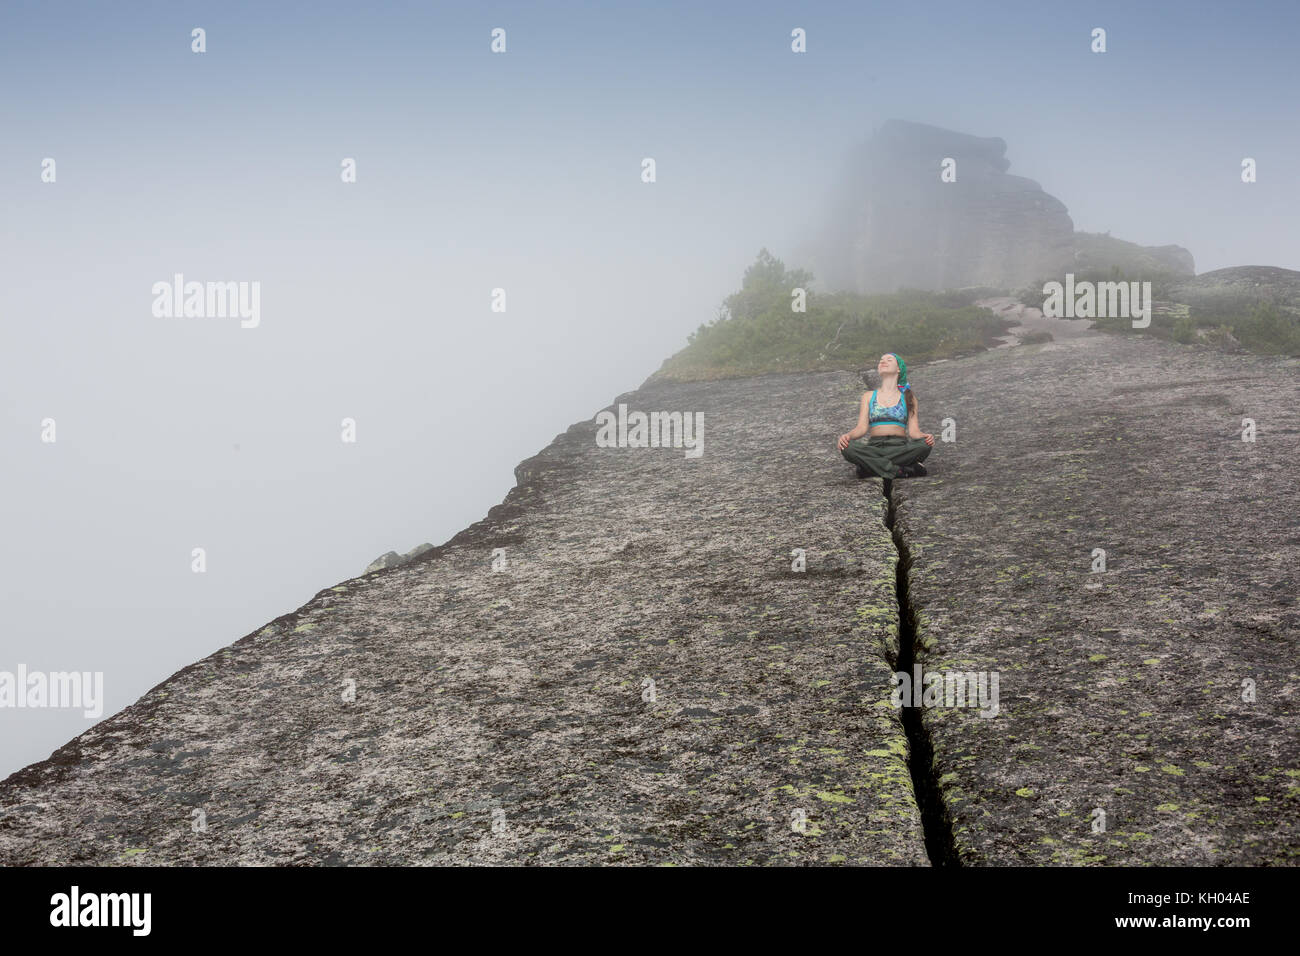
390	559
418	550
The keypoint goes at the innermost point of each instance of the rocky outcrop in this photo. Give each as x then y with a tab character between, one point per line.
391	559
897	224
1240	287
1102	253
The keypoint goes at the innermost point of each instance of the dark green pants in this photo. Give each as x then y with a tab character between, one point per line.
883	455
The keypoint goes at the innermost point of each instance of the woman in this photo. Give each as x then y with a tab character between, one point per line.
896	446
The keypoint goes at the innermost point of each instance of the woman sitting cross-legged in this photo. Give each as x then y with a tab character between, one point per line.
896	446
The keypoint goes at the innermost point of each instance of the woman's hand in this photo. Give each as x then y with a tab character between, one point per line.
844	440
929	439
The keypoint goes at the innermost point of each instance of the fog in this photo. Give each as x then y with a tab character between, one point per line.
519	171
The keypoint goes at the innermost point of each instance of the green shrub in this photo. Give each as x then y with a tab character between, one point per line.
1269	329
1161	282
1184	330
1221	337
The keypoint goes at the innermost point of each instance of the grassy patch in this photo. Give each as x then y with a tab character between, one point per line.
759	328
1266	328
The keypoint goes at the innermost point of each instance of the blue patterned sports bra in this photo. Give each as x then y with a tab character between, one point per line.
894	415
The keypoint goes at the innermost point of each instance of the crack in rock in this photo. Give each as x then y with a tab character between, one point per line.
935	819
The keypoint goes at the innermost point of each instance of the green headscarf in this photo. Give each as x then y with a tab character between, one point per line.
902	371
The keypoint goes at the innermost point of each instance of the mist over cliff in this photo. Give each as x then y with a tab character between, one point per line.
921	207
461	244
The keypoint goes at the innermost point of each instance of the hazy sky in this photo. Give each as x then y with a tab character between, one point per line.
478	171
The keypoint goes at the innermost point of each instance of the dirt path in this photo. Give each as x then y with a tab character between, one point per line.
1032	320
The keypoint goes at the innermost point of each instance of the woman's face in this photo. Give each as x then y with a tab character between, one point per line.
888	365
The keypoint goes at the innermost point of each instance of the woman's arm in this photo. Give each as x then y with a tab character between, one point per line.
862	427
914	426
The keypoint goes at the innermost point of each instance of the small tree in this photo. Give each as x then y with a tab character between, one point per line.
767	284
